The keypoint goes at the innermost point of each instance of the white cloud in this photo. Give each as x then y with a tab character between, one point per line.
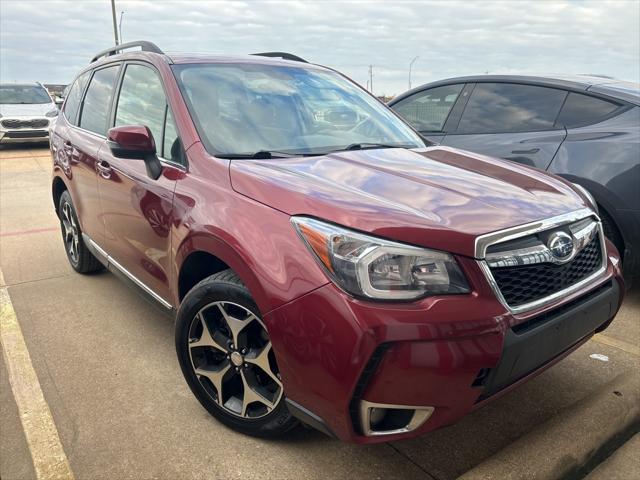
51	40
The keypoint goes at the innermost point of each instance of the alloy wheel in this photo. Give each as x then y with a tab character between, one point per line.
232	357
70	233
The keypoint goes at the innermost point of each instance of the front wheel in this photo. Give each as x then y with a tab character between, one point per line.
226	357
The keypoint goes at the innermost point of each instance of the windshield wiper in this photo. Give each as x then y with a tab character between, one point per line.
366	145
264	154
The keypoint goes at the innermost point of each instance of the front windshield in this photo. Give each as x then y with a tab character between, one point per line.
241	109
17	94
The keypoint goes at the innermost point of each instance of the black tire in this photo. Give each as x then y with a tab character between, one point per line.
83	260
611	231
227	288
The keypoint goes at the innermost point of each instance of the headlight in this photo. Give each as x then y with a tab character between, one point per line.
587	194
376	268
52	113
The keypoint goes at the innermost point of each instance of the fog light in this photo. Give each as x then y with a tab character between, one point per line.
376	415
384	419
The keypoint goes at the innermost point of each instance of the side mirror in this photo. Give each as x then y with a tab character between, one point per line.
135	142
58	101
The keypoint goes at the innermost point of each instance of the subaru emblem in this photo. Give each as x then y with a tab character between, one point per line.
561	246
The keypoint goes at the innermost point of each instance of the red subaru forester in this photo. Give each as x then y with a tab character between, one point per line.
324	264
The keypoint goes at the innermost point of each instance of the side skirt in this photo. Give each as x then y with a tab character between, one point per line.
124	274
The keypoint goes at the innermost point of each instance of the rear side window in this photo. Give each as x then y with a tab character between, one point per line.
506	107
580	110
95	108
427	111
74	97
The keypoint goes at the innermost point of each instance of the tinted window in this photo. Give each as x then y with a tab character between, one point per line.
72	103
427	111
171	149
142	101
584	110
504	107
95	108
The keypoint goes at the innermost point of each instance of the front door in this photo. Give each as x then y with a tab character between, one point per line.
137	209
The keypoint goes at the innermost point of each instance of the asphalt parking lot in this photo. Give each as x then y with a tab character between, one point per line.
106	364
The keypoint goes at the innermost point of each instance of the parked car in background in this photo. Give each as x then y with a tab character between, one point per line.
27	112
323	263
583	128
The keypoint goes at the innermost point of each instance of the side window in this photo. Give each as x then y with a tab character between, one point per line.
74	97
580	110
95	108
506	108
142	102
427	111
171	147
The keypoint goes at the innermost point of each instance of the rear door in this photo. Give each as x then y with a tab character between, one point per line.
137	209
428	110
84	138
512	121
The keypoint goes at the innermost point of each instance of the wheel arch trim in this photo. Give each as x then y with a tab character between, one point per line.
213	245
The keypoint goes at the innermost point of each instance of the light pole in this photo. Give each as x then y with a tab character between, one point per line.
115	26
120	26
410	66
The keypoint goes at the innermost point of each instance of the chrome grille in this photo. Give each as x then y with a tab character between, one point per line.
15	123
532	265
524	284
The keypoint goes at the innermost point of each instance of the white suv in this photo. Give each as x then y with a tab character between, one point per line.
27	112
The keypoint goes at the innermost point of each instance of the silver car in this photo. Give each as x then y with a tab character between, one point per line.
27	112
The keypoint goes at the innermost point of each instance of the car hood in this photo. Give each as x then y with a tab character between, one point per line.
26	109
438	197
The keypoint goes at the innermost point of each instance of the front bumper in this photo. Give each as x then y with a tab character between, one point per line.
448	355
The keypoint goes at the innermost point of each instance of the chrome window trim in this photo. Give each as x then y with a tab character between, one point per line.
484	241
110	261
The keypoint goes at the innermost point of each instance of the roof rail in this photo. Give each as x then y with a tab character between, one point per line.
283	55
146	47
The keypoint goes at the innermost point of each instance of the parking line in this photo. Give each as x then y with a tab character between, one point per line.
619	344
29	231
49	460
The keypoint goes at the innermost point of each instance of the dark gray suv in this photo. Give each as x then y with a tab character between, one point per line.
583	128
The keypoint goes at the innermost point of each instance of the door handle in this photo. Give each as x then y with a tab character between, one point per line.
103	168
531	151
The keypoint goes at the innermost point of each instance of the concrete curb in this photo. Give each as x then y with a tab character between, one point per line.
562	445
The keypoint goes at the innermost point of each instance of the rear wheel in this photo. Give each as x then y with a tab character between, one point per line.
227	359
80	258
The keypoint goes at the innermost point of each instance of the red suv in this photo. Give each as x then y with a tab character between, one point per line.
324	264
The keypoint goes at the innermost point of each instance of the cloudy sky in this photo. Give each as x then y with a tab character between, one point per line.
50	40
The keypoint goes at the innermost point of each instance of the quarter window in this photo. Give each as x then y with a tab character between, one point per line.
427	111
74	97
505	108
580	110
95	108
171	149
